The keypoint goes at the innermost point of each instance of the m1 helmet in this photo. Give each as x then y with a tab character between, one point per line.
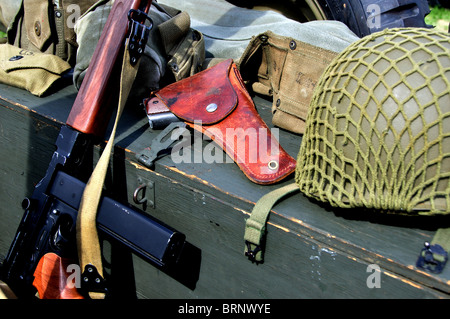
378	127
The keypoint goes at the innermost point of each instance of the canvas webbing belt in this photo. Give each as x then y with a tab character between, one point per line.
433	257
89	250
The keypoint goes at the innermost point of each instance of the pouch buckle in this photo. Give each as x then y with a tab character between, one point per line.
432	258
139	33
251	253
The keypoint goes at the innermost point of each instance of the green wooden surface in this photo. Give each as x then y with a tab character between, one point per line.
312	251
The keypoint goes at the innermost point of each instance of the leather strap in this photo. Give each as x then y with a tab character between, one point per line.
89	251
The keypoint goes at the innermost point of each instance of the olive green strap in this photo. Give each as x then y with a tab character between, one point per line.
255	226
173	31
433	257
442	238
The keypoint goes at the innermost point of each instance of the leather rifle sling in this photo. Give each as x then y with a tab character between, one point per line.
89	250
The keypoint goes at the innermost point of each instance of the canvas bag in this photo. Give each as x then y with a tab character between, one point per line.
35	72
241	34
172	46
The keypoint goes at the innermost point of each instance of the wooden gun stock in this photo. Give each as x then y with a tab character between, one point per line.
91	111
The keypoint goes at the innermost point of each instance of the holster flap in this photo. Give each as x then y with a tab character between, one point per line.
207	97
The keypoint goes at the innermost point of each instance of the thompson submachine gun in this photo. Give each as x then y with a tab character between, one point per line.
47	229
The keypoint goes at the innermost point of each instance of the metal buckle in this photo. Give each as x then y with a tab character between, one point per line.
139	33
251	253
432	258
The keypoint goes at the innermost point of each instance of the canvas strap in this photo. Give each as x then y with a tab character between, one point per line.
435	254
6	292
89	250
255	226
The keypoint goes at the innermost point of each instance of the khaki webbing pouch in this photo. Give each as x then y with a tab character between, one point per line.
288	70
33	71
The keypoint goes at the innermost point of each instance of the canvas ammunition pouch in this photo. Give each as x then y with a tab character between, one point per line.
279	62
216	103
174	50
287	70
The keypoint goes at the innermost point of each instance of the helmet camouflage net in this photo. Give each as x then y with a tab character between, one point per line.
378	128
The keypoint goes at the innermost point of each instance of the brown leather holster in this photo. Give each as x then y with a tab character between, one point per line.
217	99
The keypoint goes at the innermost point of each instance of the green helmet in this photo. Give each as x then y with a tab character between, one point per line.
378	128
